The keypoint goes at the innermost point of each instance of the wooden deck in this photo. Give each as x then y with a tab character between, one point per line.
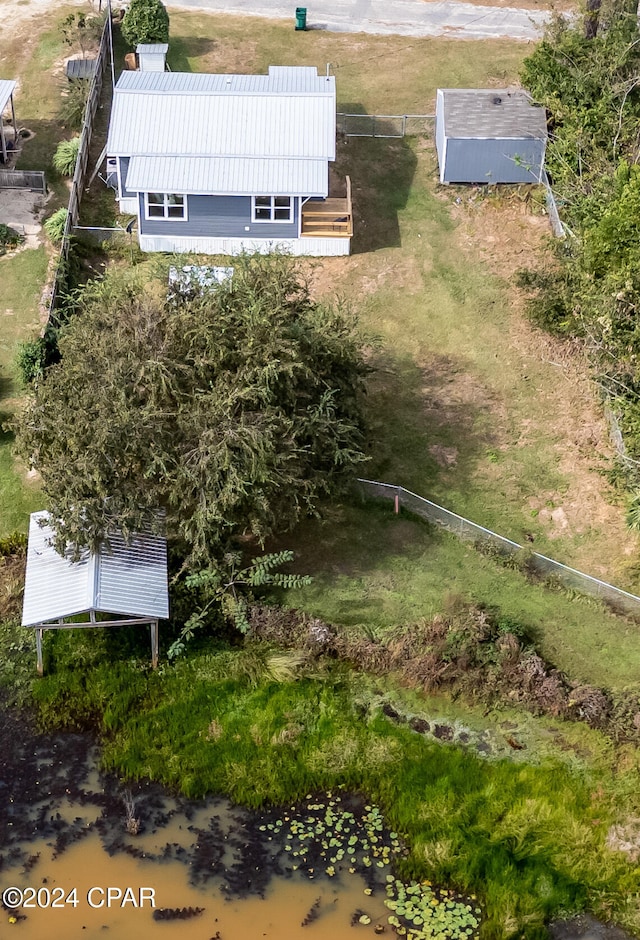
328	218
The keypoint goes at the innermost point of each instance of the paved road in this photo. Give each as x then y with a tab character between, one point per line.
404	17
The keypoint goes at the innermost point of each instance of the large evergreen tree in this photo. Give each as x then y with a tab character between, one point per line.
235	409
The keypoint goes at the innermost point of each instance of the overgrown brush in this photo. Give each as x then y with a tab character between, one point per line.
466	650
9	238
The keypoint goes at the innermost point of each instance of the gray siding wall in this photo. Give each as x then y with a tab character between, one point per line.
493	161
219	216
124	169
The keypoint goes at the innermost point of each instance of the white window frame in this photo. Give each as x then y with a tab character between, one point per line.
166	217
272	209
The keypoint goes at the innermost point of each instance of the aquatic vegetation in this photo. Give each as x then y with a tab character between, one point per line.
422	912
338	827
321	833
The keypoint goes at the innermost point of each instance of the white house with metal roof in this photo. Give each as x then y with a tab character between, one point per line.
125	579
219	164
489	136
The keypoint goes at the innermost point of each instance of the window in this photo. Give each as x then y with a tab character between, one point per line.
272	209
165	206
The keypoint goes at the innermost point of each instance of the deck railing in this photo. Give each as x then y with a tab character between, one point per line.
329	218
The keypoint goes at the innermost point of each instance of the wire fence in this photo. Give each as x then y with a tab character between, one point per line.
619	600
385	125
552	208
77	184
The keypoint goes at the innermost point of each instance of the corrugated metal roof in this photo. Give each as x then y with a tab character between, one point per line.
81	68
129	579
228	175
288	113
492	113
152	48
300	80
7	88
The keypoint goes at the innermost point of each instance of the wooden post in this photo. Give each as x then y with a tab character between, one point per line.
3	142
39	632
154	643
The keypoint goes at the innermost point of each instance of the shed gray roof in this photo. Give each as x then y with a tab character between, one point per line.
289	113
131	579
7	88
225	176
492	113
81	68
152	48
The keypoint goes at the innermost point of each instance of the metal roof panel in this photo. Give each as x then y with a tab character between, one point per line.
120	578
7	88
288	113
228	176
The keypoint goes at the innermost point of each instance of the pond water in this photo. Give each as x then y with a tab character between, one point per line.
204	870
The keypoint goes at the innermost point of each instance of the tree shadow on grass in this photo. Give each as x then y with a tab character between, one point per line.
424	431
184	48
381	172
429	422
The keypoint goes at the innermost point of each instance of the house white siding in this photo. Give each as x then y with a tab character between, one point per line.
312	247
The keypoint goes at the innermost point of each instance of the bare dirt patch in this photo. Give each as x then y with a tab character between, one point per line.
230	57
17	12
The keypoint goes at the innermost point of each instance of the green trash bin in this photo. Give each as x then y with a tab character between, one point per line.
301	17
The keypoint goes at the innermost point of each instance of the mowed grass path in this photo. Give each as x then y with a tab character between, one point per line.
32	52
21	277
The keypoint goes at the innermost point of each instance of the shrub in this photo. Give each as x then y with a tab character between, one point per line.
73	103
35	355
54	225
66	156
9	238
13	544
145	21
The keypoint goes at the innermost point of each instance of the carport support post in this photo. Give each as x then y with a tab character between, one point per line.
154	643
15	126
39	632
3	141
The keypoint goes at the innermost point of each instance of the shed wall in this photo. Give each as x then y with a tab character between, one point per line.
475	160
219	216
441	142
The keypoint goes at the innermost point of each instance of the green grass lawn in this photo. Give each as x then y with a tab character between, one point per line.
374	571
22	277
374	74
33	53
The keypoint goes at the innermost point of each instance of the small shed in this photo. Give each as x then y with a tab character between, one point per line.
152	56
81	69
489	136
125	580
